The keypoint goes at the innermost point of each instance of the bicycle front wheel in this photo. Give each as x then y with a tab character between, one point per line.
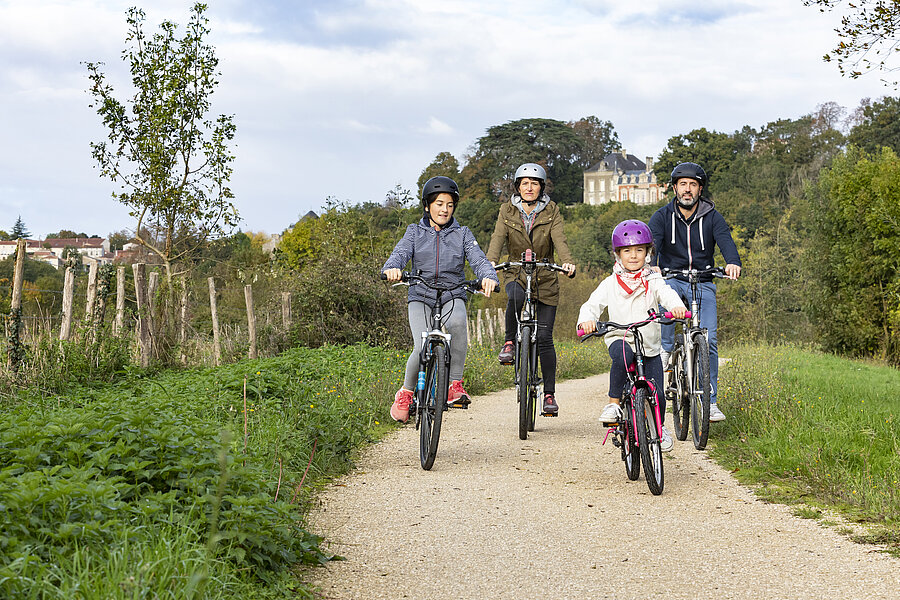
700	392
523	385
630	452
432	411
648	439
676	391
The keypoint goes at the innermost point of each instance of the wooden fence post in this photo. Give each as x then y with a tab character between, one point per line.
16	352
91	294
152	286
478	328
120	301
251	320
490	326
217	344
65	328
286	310
143	328
182	322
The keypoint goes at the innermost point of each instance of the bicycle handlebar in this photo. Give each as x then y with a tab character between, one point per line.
473	286
719	272
546	264
603	327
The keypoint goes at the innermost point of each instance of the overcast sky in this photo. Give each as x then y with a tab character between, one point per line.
348	98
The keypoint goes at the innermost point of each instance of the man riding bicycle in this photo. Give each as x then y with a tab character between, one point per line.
685	234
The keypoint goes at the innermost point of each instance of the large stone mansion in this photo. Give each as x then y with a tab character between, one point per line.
621	176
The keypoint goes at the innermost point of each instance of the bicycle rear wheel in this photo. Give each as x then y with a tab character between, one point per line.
680	401
432	411
523	385
648	439
700	392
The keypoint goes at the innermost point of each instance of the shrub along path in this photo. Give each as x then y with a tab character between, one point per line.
555	517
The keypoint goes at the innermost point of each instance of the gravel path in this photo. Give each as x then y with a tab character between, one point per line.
555	517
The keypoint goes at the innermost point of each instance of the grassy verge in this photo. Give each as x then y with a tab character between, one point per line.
195	483
817	430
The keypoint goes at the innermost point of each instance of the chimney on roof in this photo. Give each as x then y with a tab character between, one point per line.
649	163
624	154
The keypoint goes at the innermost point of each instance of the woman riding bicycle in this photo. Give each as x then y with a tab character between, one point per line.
438	247
627	295
530	220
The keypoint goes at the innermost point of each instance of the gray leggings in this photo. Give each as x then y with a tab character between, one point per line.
454	317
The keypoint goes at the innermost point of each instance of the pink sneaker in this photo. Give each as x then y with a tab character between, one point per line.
400	407
458	397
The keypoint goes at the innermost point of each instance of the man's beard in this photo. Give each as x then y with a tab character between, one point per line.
687	203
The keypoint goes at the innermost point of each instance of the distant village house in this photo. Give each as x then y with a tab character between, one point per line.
51	250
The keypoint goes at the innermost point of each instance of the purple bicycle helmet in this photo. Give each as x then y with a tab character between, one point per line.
631	233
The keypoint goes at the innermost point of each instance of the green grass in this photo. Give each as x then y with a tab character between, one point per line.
814	428
182	485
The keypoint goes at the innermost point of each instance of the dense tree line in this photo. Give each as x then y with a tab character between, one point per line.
811	202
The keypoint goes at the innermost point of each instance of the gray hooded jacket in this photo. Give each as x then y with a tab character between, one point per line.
440	256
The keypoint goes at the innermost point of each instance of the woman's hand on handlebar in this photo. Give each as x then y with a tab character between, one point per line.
393	274
488	285
588	327
570	269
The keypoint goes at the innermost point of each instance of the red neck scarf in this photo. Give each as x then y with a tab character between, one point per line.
631	282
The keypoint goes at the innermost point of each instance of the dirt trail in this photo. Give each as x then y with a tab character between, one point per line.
555	517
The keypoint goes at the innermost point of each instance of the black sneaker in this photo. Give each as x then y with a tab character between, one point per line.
551	408
507	354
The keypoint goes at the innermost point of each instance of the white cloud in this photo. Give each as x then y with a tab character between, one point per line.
436	127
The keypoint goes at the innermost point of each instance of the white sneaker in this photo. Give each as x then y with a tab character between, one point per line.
612	413
715	415
664	357
665	442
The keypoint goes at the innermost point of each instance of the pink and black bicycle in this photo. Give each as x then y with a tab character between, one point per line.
639	432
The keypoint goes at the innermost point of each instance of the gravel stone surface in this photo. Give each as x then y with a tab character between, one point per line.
555	516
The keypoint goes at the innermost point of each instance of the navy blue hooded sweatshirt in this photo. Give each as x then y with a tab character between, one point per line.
690	243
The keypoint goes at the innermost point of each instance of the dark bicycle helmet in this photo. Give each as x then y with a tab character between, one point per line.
691	171
438	185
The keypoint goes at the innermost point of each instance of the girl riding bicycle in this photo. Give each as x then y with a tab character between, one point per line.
627	295
438	247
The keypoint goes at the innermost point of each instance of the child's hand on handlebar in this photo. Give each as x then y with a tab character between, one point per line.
488	285
588	327
393	274
678	312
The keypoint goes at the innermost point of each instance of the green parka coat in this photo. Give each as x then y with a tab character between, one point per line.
546	236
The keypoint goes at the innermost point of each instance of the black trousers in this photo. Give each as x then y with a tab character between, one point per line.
546	315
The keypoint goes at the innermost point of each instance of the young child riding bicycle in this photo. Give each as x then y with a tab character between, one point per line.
438	247
627	295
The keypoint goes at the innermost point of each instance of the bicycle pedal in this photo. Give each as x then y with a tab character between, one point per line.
462	405
549	414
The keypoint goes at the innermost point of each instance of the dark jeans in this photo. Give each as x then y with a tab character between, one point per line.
546	315
653	369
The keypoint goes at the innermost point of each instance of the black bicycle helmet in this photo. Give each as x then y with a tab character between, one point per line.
691	171
439	185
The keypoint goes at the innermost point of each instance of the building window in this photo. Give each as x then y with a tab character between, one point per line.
602	185
590	185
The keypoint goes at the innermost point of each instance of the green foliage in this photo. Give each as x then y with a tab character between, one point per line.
854	211
810	427
172	159
551	143
19	231
337	261
444	164
589	229
712	150
98	481
598	138
878	125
